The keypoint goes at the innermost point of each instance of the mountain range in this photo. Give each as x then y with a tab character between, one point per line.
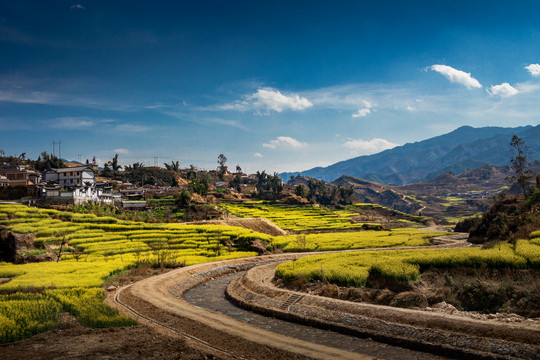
461	150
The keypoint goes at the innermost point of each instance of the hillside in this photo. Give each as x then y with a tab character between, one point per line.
445	197
458	151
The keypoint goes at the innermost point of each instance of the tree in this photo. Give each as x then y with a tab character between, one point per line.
301	190
261	180
114	163
275	182
238	169
106	170
236	181
173	166
519	163
183	200
221	160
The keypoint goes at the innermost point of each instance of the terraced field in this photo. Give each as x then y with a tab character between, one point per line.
295	218
353	269
90	249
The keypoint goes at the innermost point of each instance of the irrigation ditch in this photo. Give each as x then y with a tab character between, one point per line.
159	301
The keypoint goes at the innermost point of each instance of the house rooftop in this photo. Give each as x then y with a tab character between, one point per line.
70	169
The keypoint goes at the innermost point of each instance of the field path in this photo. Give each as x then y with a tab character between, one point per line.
158	301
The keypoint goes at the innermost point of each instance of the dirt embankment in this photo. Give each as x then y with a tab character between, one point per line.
509	295
19	248
430	331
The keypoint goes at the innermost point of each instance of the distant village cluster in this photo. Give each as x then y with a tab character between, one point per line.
78	185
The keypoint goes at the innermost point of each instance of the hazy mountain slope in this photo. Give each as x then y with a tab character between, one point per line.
458	151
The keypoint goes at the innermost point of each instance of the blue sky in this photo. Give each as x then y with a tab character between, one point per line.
274	85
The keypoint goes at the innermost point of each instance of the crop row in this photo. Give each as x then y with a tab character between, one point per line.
294	218
353	269
355	240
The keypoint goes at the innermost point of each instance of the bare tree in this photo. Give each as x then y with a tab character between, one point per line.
221	160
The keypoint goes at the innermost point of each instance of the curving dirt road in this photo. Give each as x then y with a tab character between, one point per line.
159	301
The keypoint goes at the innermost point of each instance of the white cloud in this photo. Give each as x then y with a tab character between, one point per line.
502	90
266	100
365	111
534	69
121	151
368	147
284	141
457	76
258	155
411	108
71	123
77	7
361	113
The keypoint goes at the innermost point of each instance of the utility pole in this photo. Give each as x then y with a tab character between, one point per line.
59	152
53	143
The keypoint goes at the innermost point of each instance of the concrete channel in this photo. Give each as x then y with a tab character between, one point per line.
211	296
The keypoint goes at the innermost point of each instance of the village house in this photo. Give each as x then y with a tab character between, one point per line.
98	193
73	176
18	175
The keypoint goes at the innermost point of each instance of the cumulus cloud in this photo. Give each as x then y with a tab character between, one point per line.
77	7
367	147
365	111
534	69
121	151
258	155
285	142
265	100
457	76
502	90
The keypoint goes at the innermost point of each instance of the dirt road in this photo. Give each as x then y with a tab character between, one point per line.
160	298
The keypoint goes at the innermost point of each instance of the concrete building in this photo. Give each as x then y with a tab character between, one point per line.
73	176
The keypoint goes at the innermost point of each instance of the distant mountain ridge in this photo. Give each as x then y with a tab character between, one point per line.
458	151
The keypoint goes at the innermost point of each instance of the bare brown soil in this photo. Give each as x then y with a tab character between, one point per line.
261	225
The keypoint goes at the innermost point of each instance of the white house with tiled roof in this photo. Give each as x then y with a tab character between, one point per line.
72	176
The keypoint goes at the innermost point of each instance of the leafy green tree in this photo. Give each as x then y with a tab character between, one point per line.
275	182
301	190
106	170
173	166
183	200
521	175
114	163
46	162
262	181
346	195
